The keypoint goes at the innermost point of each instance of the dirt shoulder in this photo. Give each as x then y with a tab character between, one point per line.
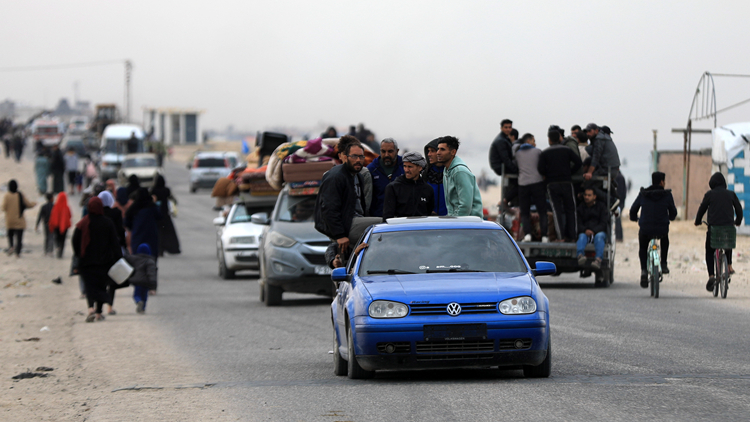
42	325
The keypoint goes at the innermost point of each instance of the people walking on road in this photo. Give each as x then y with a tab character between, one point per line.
462	196
622	194
57	168
144	275
96	246
409	195
593	217
116	216
122	200
142	220
501	160
657	210
41	170
60	222
384	169
45	212
168	240
557	163
14	204
133	185
433	175
724	209
531	188
71	169
18	144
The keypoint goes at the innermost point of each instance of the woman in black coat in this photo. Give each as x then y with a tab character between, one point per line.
168	241
141	219
115	215
97	248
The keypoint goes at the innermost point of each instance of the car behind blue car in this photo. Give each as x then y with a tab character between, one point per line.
440	292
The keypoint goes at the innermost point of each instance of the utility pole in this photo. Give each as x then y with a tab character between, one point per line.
654	156
128	69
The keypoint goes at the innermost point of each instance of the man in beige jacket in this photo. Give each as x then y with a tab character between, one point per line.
14	204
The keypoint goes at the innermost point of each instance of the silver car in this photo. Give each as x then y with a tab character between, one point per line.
237	238
207	168
292	254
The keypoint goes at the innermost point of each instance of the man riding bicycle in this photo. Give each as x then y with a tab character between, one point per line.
724	209
657	210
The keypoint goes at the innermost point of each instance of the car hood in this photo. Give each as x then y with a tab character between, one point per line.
444	288
301	232
141	171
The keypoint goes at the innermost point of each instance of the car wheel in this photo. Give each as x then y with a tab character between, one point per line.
193	189
224	272
340	366
272	294
355	371
261	282
542	370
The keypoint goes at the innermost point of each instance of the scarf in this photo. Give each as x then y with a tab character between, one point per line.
95	207
60	216
434	175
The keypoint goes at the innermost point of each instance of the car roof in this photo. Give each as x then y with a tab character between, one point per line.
141	155
434	223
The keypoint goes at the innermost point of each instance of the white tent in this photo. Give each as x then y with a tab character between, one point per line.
729	141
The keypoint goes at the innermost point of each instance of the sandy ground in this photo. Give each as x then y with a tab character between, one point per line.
42	325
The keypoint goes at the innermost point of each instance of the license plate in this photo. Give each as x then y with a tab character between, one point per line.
207	174
455	332
249	254
322	270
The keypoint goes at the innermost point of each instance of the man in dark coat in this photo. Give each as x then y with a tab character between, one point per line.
657	210
622	194
409	195
557	164
384	170
57	168
341	198
592	227
724	209
501	159
433	176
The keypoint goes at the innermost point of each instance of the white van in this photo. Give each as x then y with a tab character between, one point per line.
115	147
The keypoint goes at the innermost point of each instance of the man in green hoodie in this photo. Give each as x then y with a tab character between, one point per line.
462	195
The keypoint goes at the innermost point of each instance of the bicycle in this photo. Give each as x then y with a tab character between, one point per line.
722	237
653	266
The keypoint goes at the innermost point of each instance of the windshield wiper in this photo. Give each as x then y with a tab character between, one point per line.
455	270
391	271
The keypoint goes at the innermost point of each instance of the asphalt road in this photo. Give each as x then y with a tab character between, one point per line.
617	353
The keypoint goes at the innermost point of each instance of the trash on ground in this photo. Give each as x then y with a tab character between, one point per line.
44	369
25	375
57	280
45	328
31	339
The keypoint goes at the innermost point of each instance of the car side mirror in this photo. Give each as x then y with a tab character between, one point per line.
219	221
339	274
544	268
259	218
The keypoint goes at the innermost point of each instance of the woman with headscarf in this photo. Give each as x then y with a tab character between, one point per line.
115	215
141	219
96	245
14	204
168	241
122	200
59	222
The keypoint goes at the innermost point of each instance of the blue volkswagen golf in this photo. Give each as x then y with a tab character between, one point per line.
440	292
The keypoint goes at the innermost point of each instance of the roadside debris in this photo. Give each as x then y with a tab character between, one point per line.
44	369
29	339
57	280
25	375
45	328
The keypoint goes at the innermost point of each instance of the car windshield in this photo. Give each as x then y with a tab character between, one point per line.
242	213
437	251
211	162
232	161
46	130
123	146
140	162
296	209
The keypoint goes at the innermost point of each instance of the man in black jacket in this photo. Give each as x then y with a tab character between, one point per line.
557	164
592	227
501	154
724	209
409	195
341	197
657	210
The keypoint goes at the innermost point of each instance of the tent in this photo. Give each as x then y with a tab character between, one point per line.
731	156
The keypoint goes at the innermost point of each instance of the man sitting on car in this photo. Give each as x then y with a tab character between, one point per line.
409	195
592	227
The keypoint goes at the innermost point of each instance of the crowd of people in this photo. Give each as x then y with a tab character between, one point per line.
13	138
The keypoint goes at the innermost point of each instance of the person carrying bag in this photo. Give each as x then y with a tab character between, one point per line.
143	277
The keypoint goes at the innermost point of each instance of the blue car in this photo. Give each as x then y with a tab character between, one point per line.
440	292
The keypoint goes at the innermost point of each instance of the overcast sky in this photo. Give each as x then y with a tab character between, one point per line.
410	70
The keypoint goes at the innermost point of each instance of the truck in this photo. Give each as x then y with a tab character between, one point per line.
48	132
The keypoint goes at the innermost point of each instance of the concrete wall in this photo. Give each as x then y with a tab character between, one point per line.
671	163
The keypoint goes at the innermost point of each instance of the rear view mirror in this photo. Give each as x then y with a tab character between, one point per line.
219	221
544	268
339	274
259	218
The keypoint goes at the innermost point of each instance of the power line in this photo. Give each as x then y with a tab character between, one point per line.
59	66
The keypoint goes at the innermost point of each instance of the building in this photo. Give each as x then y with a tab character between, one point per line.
173	126
671	163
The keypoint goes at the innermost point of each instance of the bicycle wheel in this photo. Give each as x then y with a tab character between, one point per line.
724	285
655	273
717	259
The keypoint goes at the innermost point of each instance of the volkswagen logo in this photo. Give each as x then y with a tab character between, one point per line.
454	309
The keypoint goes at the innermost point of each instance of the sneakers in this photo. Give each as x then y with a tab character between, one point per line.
710	284
644	279
664	268
140	307
527	238
596	264
545	239
581	260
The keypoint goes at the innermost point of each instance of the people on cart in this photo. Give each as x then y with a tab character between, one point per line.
657	210
557	164
724	209
531	187
593	217
409	195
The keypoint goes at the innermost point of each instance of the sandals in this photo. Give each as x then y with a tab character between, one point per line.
91	318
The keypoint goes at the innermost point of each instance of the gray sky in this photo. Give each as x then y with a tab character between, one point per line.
410	70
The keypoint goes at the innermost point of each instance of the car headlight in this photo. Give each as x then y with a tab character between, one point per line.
517	306
387	309
242	240
278	239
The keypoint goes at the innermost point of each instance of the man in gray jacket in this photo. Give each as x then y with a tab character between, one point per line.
531	187
604	154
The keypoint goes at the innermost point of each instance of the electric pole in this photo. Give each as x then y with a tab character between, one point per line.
128	69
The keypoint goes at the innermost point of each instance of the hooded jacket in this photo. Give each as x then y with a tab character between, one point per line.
408	198
604	153
379	181
144	268
657	210
722	204
335	204
462	195
501	152
592	218
433	176
14	219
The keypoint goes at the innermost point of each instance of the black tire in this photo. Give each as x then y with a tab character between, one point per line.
224	272
340	366
542	370
656	275
724	285
262	293
272	294
651	284
611	272
261	282
355	371
718	278
193	189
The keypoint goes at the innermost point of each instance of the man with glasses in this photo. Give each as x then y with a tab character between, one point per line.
384	170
